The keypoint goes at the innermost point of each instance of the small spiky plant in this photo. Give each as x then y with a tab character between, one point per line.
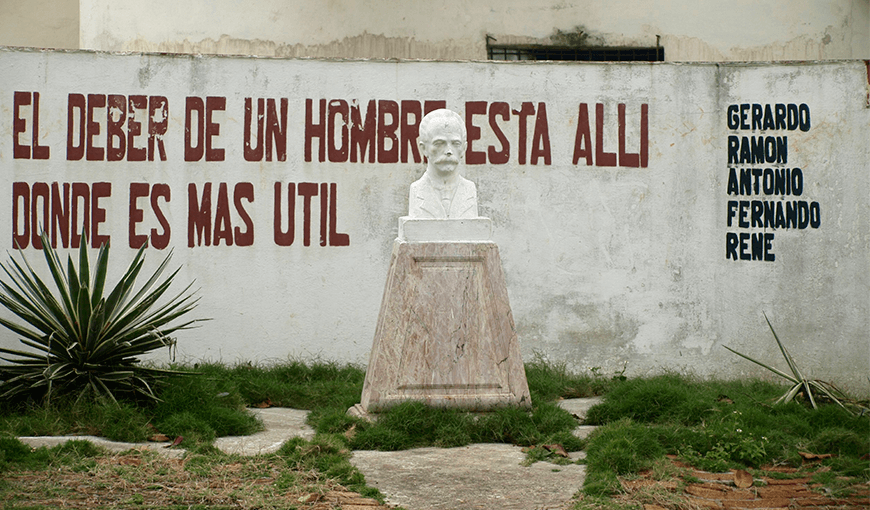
87	343
801	384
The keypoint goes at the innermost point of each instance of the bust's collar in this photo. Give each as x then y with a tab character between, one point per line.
438	184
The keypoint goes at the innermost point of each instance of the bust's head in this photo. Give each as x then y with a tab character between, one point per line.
442	140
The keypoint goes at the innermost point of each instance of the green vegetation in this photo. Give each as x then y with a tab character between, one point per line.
80	475
197	408
712	425
16	455
87	341
325	388
716	426
812	389
329	455
620	448
551	381
412	424
212	404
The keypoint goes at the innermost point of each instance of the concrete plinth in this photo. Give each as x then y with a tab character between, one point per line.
445	333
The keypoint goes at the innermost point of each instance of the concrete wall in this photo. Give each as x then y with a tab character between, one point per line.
637	252
690	30
40	23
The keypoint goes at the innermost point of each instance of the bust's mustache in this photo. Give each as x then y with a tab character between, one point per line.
447	159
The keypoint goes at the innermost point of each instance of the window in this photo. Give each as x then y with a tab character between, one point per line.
589	54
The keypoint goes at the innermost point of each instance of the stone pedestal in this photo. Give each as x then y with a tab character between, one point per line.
445	333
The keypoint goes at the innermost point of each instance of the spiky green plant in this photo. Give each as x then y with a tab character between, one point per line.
801	384
86	343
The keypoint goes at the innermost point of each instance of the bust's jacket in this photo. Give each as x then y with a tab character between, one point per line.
424	201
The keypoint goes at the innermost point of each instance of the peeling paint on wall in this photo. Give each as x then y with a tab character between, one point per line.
688	30
364	45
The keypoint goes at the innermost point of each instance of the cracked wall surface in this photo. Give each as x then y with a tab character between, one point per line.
452	30
455	30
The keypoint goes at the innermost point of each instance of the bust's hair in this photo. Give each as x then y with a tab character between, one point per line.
441	116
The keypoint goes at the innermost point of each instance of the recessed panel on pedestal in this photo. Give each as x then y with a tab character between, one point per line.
445	333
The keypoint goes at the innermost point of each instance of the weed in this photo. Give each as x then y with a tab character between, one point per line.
712	424
293	384
190	406
329	455
840	441
657	497
647	400
550	381
413	424
204	406
623	447
719	425
14	453
76	454
601	483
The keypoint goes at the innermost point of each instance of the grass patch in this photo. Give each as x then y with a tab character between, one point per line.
552	381
328	455
713	425
293	384
202	407
15	455
413	425
716	426
199	408
78	475
211	404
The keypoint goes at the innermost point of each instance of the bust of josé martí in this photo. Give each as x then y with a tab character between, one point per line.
445	334
442	193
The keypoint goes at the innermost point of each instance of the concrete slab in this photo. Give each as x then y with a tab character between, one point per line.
112	446
479	476
579	406
281	424
583	431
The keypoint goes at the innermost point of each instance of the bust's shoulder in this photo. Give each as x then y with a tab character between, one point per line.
419	184
466	184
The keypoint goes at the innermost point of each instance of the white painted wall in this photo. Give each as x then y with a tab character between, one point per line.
604	265
690	30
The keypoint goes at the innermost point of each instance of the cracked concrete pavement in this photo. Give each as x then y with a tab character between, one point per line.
478	476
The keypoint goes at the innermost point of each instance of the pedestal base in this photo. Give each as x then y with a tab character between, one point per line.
445	333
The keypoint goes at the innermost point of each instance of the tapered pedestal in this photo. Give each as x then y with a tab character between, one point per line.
445	334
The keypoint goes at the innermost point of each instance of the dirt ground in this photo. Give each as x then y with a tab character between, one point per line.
145	480
693	489
141	479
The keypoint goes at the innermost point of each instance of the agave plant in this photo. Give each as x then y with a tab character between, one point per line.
87	343
801	384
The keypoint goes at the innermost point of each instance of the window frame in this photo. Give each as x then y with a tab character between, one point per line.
511	52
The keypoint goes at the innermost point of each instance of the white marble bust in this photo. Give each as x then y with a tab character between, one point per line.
441	193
